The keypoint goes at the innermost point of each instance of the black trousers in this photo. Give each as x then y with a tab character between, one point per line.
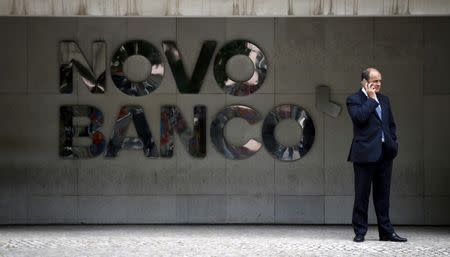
378	175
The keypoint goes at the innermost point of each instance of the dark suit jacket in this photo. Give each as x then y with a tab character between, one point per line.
367	126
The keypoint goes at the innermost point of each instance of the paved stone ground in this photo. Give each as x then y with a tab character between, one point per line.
215	240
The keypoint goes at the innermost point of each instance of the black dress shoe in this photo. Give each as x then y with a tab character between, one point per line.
358	238
393	237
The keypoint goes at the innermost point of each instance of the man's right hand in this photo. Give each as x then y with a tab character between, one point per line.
370	89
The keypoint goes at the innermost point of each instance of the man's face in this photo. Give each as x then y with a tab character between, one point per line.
375	79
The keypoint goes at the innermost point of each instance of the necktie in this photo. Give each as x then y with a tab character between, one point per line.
378	109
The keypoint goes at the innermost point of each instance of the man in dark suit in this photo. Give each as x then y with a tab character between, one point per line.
373	149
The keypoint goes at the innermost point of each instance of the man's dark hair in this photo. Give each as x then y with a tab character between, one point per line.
365	74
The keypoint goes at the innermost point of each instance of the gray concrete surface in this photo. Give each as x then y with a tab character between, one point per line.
38	187
216	240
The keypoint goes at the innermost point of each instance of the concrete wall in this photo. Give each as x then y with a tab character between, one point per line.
208	8
36	186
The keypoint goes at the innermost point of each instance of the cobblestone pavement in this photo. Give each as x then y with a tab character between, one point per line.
216	240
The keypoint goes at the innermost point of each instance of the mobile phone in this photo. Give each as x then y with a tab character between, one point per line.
366	83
